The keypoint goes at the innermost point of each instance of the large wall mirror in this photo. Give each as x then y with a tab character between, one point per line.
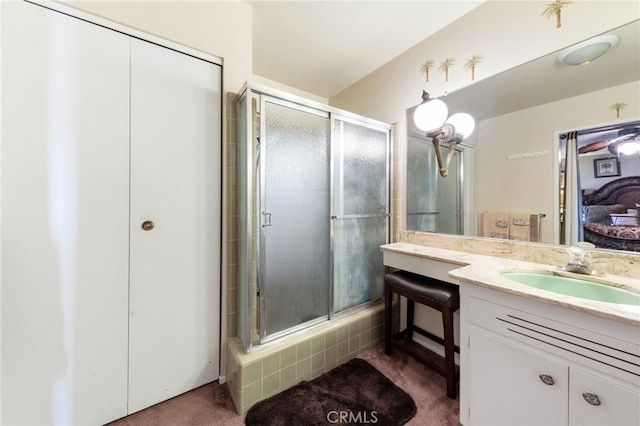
512	161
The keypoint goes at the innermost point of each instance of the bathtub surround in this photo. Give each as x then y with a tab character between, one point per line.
277	366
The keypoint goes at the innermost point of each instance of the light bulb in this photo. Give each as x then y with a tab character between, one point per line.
463	123
430	115
629	148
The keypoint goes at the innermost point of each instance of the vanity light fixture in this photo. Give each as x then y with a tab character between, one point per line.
431	117
587	51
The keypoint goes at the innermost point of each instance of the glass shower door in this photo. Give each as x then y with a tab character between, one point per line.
422	178
294	217
360	212
434	203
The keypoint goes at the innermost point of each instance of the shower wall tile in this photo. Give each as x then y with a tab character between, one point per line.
252	393
317	345
287	378
303	370
303	350
317	364
288	357
230	284
331	338
271	364
279	365
271	385
252	373
331	357
343	351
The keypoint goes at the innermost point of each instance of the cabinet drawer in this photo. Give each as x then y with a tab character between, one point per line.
615	357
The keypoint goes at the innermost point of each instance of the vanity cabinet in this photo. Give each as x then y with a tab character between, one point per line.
529	362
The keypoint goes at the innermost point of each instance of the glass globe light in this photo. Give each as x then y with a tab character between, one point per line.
463	123
430	115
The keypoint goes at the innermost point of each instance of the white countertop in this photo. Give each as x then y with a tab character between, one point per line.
486	271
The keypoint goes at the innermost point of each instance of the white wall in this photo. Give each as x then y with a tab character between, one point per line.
220	28
386	93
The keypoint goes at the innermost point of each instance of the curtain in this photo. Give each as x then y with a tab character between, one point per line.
572	224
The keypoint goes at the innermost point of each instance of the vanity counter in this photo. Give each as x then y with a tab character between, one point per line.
485	271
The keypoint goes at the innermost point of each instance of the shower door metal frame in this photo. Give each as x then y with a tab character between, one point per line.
261	201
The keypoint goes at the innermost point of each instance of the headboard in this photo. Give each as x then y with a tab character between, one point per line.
624	191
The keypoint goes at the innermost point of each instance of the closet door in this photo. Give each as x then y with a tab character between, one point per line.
65	218
175	256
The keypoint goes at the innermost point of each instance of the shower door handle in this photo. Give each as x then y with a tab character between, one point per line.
267	219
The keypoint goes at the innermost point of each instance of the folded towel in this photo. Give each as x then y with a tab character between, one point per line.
520	219
496	224
520	229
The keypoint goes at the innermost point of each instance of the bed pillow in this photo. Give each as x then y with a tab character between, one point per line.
600	214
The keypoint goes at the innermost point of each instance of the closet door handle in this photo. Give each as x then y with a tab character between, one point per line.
148	225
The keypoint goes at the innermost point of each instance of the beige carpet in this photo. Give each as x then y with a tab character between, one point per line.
211	404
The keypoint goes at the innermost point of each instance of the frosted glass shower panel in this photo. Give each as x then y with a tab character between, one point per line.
360	207
422	175
434	203
450	197
295	221
360	169
358	267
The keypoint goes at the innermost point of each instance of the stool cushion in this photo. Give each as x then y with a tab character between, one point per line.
438	291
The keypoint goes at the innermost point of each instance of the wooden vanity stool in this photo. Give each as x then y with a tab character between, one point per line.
440	295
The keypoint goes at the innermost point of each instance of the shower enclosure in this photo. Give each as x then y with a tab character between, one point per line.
313	210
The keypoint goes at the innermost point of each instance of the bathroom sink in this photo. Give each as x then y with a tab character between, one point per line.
575	287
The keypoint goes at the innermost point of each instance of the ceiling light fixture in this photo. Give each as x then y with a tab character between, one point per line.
431	117
587	51
629	147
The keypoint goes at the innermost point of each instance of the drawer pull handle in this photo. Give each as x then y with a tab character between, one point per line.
546	379
591	398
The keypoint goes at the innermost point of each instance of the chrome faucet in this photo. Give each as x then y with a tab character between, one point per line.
579	260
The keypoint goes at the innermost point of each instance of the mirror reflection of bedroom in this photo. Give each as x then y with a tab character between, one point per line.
600	187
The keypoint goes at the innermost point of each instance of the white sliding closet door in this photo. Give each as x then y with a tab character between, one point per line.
175	183
65	219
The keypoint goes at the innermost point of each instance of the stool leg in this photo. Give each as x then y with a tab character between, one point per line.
411	307
388	307
449	352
